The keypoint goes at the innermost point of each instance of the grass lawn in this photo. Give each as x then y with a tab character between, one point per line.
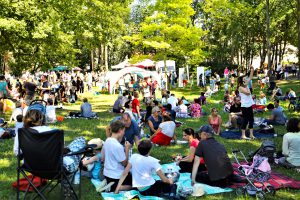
96	128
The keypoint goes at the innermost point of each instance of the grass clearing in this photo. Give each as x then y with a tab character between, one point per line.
96	128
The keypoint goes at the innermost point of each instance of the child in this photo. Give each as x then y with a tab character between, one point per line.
17	111
94	163
19	124
141	166
50	111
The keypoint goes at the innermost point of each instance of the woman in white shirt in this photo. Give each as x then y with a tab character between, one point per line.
246	104
165	132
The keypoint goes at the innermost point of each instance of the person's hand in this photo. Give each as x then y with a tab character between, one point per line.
193	182
127	145
116	191
171	181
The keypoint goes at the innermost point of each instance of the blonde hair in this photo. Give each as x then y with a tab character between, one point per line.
33	118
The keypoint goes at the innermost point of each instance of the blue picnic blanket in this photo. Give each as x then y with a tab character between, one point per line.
237	134
184	181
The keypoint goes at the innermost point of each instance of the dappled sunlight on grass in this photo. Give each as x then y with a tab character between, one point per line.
5	162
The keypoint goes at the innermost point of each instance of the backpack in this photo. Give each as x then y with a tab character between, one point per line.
267	149
266	129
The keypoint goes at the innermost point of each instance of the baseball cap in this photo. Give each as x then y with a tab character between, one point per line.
206	129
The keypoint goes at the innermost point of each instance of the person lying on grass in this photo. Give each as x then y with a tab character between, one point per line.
141	166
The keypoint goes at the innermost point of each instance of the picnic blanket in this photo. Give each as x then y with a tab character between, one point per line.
277	180
184	181
237	134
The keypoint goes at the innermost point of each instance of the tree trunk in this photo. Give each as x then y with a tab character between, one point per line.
106	58
268	33
298	26
92	60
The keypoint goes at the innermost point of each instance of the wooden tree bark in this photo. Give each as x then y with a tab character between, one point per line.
268	34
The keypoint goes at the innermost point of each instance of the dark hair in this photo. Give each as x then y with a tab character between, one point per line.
167	117
85	100
276	100
202	93
2	77
33	118
240	81
169	106
125	93
126	105
50	101
144	147
197	100
116	126
190	131
270	106
155	103
292	125
19	118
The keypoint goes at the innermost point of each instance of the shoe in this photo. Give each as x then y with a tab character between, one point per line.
101	185
106	188
252	137
245	138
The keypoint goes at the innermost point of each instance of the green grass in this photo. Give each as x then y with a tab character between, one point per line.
96	128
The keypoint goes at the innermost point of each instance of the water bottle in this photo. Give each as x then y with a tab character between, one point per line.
76	178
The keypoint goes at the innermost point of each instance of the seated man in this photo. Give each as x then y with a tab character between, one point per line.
86	109
117	107
235	115
219	169
277	116
132	132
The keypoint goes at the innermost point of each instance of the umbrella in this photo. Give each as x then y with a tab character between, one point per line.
60	68
77	69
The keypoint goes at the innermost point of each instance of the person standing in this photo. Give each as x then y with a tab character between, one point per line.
4	91
246	104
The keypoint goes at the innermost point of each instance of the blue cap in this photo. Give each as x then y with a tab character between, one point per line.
206	129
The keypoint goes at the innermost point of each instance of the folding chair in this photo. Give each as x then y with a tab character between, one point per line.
42	155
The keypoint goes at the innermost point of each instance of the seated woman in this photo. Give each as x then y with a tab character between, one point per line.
181	110
186	163
215	121
154	120
195	109
185	101
260	103
292	94
165	132
290	145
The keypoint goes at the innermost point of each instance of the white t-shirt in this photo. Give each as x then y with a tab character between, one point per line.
246	100
142	168
16	112
16	140
168	128
50	114
173	101
114	154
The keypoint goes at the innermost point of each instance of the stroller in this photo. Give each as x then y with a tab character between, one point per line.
256	174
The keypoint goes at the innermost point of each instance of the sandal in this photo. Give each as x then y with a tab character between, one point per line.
245	138
252	137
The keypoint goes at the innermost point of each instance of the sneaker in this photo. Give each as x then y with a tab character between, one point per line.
106	188
101	185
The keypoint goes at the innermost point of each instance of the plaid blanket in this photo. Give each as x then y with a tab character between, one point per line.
277	180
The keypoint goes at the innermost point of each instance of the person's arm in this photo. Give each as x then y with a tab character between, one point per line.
157	131
245	90
164	178
123	177
127	147
151	126
209	119
250	76
285	146
91	160
102	155
195	169
136	140
138	111
190	157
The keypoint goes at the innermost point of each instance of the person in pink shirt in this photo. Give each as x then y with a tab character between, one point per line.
186	163
226	73
215	121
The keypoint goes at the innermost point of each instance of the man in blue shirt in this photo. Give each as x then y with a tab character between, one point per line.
277	116
132	131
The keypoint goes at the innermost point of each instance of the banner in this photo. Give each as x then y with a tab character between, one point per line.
200	70
180	76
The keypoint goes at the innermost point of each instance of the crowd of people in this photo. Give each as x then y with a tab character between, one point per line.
207	159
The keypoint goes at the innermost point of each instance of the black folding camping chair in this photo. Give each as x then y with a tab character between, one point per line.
42	155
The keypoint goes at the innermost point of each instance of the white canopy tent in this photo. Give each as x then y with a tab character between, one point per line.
121	65
147	63
170	65
113	76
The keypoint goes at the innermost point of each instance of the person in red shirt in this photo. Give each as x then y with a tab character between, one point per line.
186	163
136	106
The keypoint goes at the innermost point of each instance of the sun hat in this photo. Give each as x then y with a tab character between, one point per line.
96	141
198	190
207	129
